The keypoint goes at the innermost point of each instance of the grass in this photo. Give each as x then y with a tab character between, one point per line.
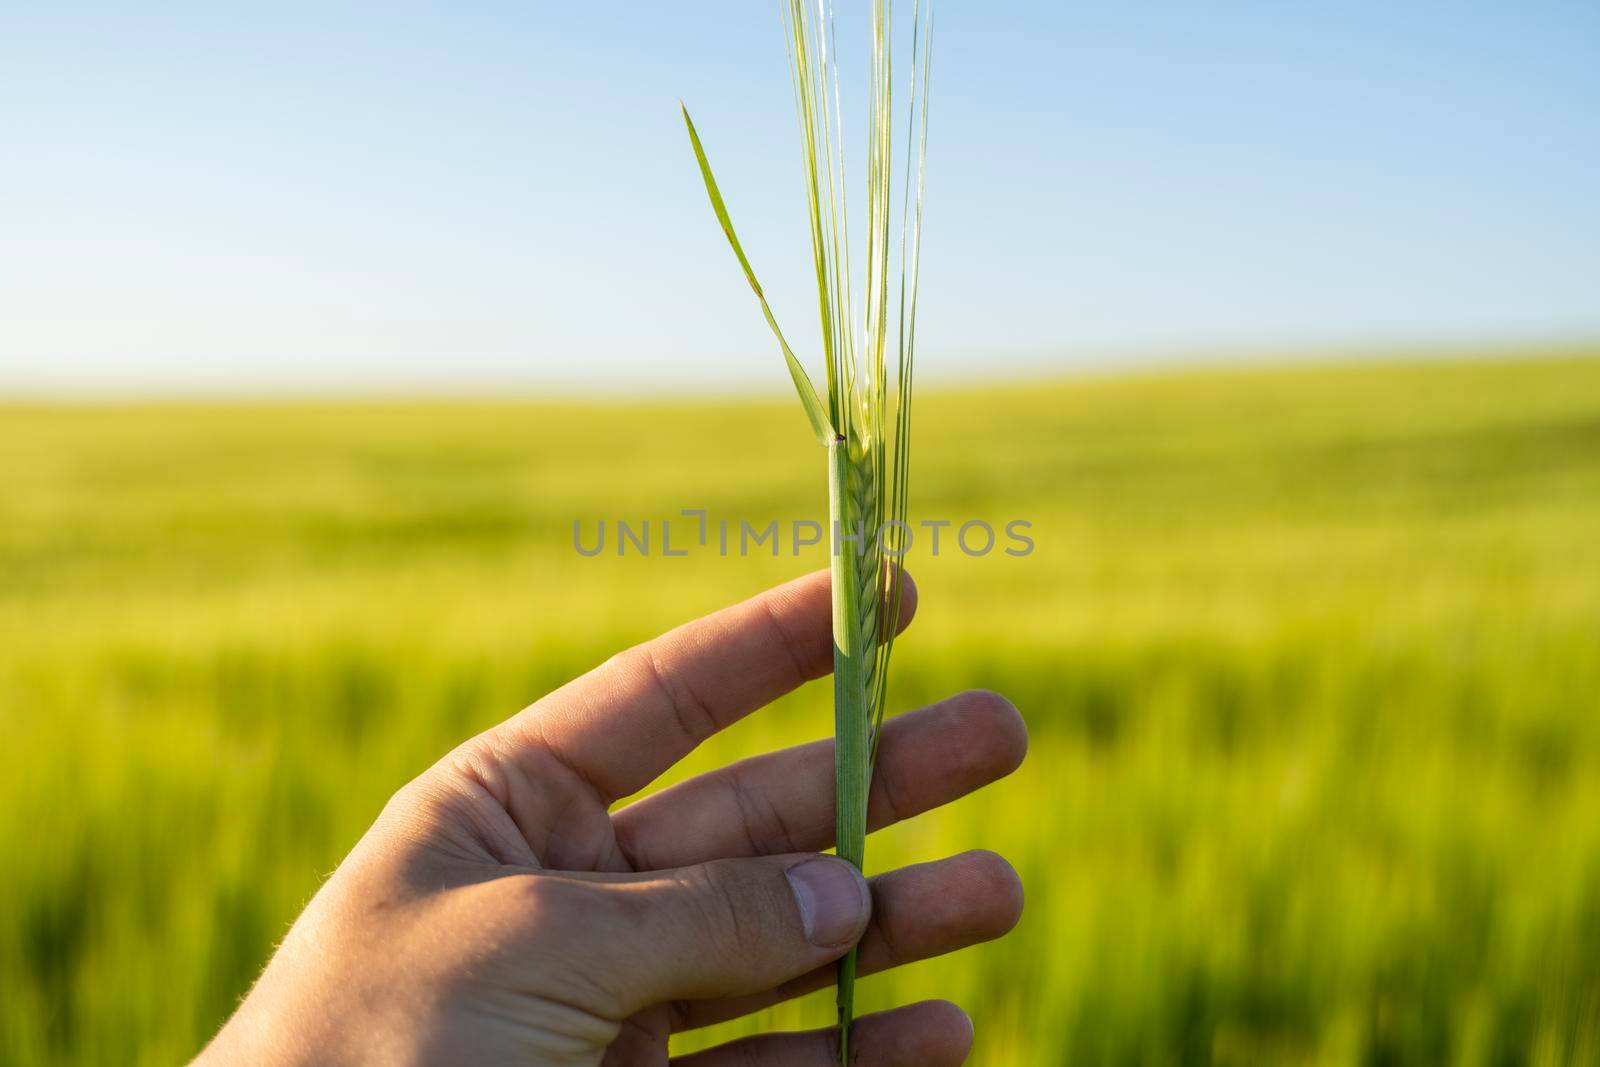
867	462
1309	658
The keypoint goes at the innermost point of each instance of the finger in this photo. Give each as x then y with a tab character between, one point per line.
719	929
784	801
634	716
918	912
934	1033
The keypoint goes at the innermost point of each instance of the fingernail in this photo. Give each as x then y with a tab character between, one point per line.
833	900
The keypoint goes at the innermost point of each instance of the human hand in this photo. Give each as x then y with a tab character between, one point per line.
499	912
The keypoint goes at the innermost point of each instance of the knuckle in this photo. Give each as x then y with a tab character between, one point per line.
535	900
550	916
760	816
889	789
695	718
735	921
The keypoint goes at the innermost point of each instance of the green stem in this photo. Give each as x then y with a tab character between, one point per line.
850	712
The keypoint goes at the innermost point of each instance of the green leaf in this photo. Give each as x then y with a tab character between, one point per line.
820	425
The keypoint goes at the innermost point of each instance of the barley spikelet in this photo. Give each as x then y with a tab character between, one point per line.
864	507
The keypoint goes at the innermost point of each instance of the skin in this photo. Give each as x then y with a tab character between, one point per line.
500	912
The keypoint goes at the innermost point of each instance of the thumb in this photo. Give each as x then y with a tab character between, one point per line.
717	929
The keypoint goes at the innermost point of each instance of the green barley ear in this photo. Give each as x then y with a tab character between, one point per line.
866	423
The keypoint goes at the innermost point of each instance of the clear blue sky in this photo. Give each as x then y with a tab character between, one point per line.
499	195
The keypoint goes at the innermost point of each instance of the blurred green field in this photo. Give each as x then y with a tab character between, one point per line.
1310	658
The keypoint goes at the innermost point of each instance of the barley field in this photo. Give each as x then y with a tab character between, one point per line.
1310	657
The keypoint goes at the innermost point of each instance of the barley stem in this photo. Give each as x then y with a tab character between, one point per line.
852	654
865	425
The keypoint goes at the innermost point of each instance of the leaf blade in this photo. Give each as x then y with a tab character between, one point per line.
821	426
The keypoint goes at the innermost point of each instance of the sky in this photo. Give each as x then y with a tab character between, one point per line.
297	197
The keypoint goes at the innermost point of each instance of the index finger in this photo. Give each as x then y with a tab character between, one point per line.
628	720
